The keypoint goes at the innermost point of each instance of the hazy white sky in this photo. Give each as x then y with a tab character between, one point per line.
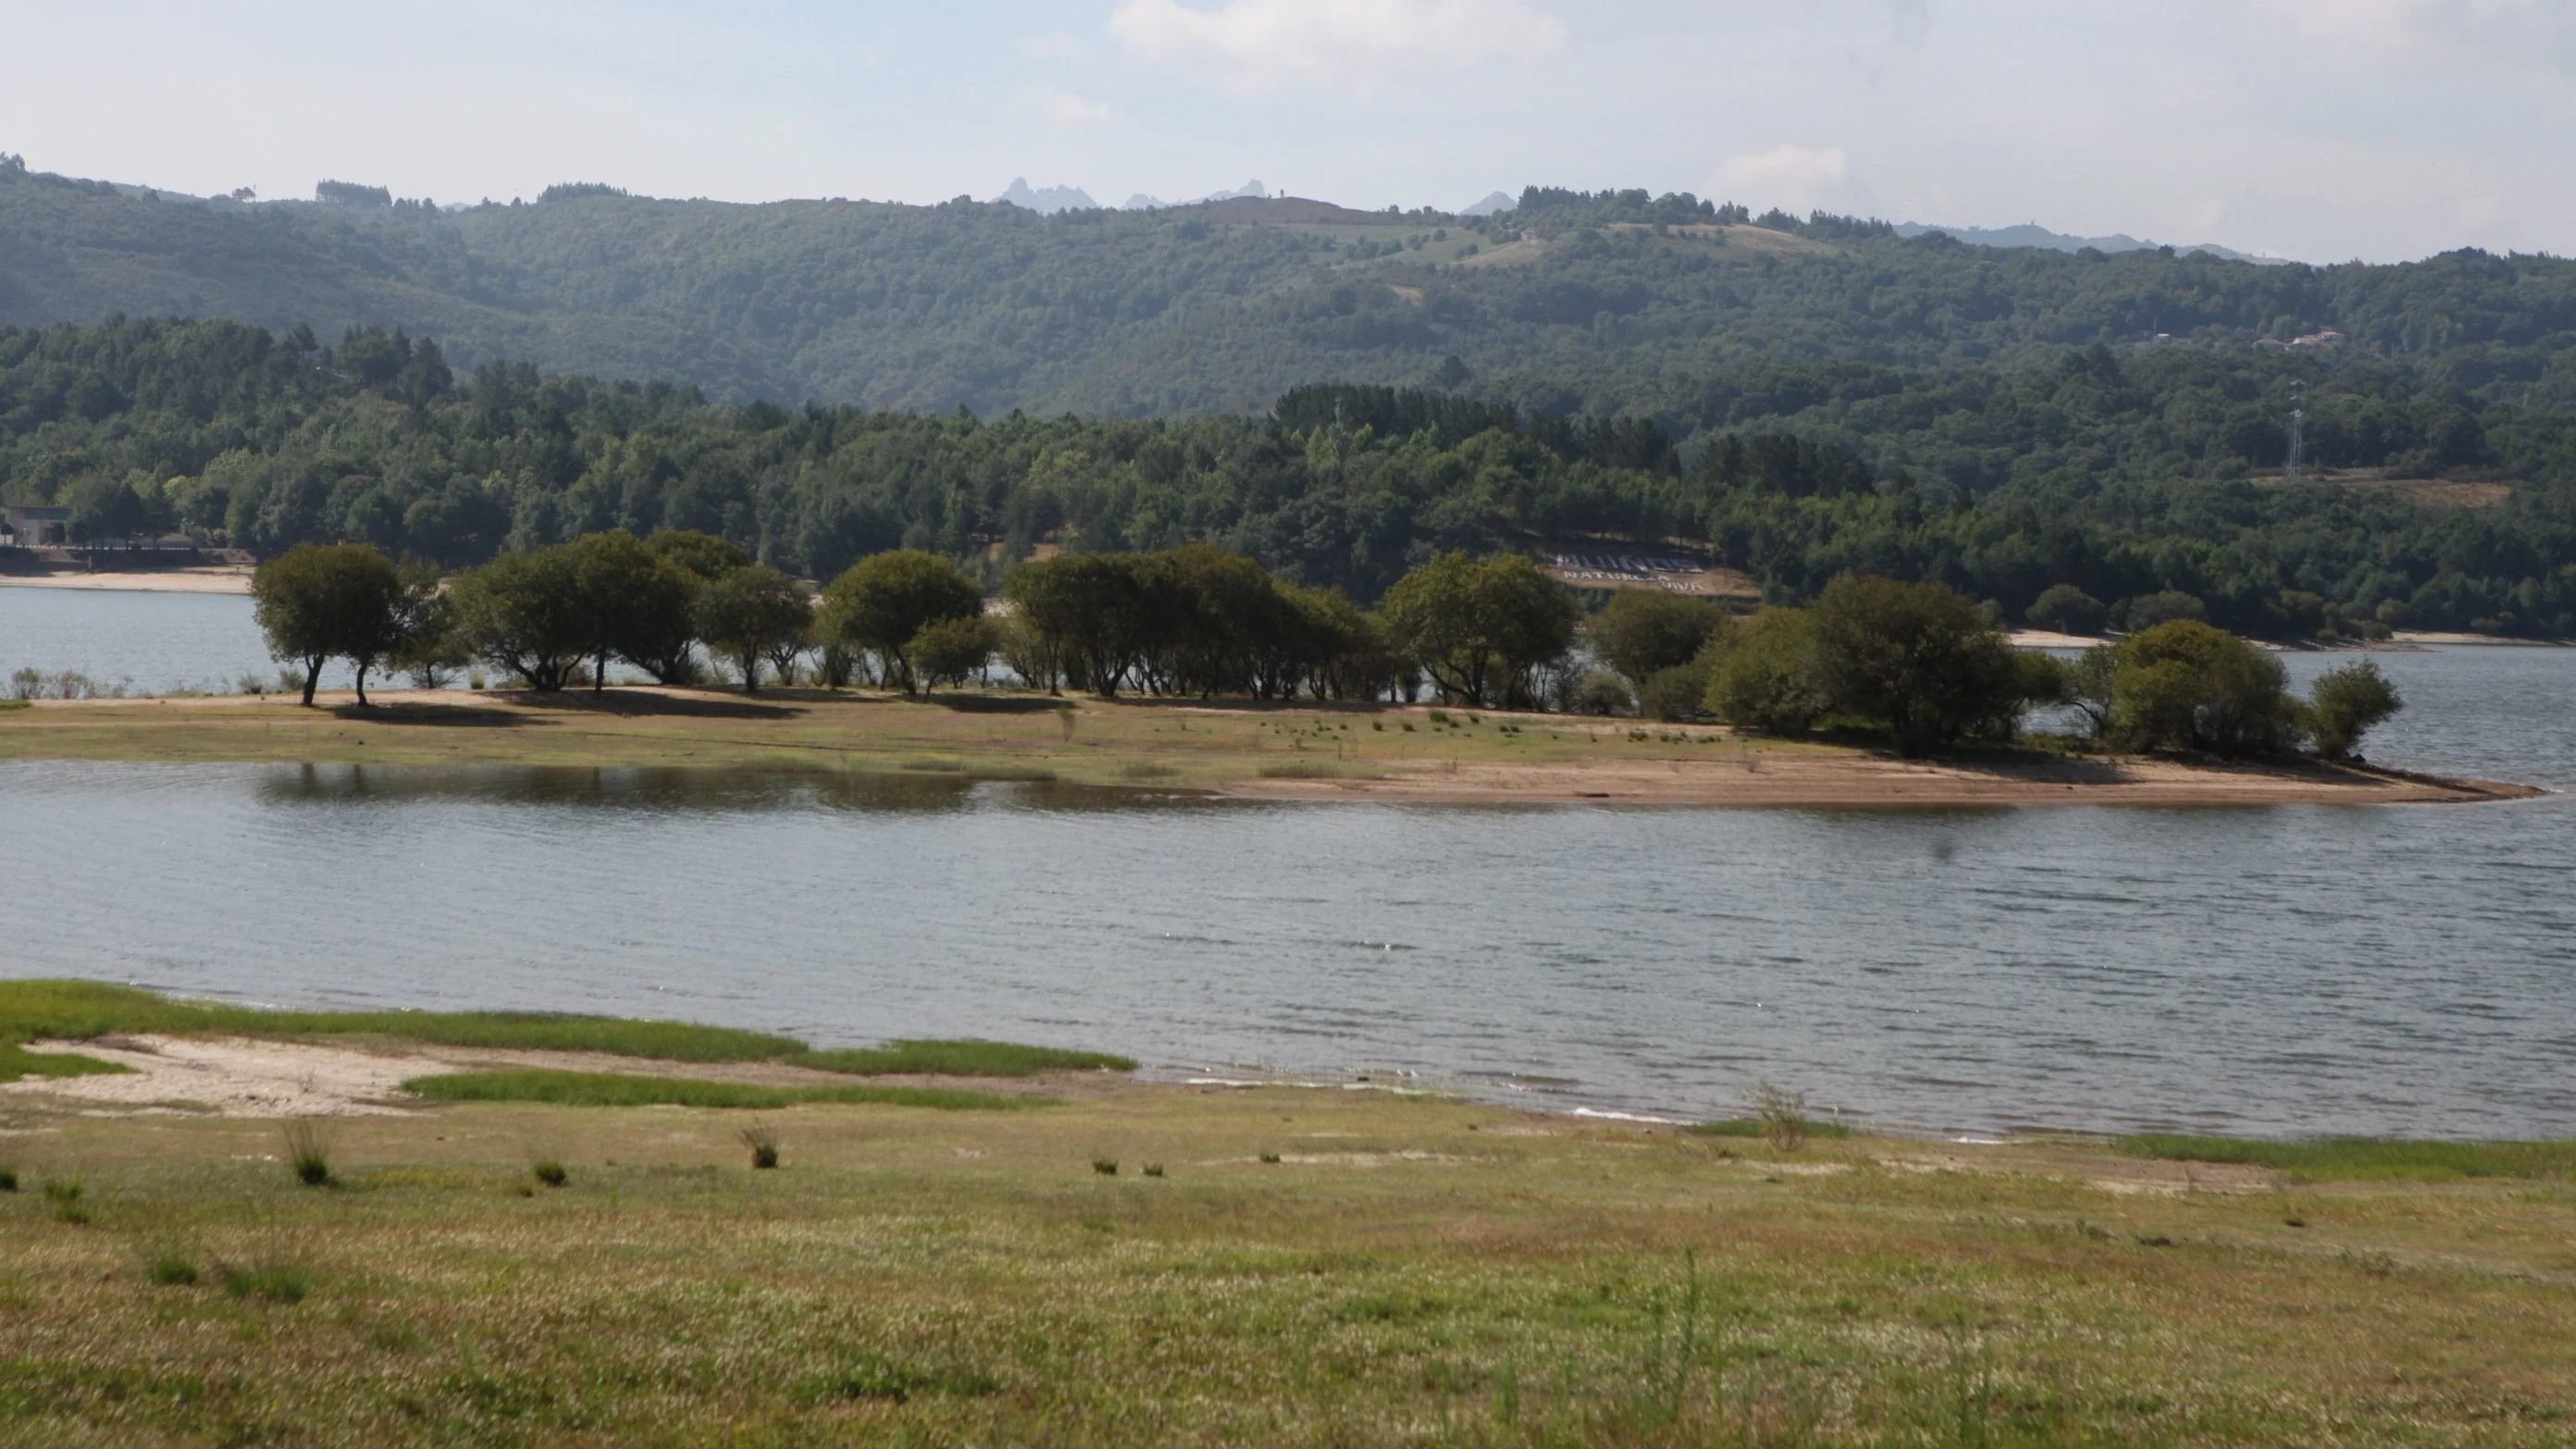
2319	129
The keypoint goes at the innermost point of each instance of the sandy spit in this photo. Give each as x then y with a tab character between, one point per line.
217	579
1867	781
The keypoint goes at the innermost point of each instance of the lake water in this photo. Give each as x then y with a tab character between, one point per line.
144	643
2277	970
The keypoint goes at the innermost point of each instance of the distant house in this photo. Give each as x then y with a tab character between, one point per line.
32	525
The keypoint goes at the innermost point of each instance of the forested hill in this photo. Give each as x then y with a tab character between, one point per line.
2124	475
1609	303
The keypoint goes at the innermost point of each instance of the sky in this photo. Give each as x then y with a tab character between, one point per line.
2314	129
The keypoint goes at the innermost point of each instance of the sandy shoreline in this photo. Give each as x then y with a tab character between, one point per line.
1858	781
214	579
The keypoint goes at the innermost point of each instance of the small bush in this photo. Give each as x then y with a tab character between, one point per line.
8	1179
763	1144
171	1271
1105	1166
1783	1115
1271	1158
550	1172
1153	1169
308	1152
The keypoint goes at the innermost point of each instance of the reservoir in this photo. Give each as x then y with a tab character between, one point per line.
2263	970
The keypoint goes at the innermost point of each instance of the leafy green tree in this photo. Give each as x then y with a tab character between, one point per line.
948	651
318	602
1094	614
884	602
2184	685
704	555
1922	657
635	604
2146	612
1762	674
107	510
1479	628
2066	609
431	647
2345	703
751	612
1642	632
528	614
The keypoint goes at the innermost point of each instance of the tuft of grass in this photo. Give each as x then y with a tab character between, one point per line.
308	1152
170	1270
1105	1166
958	1059
1270	1157
2363	1158
763	1143
274	1282
1146	770
1153	1169
65	1194
618	1089
550	1172
8	1179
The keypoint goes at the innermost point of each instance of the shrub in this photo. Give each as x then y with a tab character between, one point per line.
1763	676
308	1152
1105	1166
2184	685
65	1195
1923	658
763	1144
170	1270
2067	609
1153	1169
1642	632
2345	702
2148	610
550	1172
1680	692
1782	1115
1599	692
8	1179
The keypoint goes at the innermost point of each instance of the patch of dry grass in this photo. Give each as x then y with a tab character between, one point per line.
1406	1271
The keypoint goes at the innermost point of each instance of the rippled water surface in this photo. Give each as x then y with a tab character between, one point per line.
2297	969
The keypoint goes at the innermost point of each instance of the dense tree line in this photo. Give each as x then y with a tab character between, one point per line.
266	441
1919	662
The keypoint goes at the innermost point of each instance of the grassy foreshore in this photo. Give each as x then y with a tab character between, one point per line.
1266	1265
1332	751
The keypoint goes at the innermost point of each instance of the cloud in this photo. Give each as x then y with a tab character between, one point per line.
2519	32
1792	177
1064	108
1338	44
1054	46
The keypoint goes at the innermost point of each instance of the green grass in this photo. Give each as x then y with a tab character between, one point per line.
2364	1158
959	1059
81	1010
1755	1127
615	1089
78	1010
16	1064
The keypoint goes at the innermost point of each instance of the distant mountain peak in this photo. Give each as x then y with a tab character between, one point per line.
1046	200
2031	234
1493	203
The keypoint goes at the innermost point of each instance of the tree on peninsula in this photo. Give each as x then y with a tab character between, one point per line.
319	602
